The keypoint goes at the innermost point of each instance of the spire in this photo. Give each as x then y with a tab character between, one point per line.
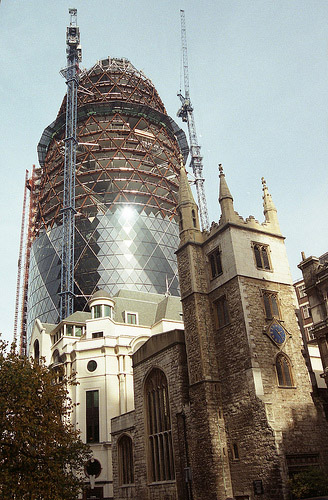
269	209
187	210
225	199
185	194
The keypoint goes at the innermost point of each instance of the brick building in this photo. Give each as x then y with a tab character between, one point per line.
315	275
311	349
223	409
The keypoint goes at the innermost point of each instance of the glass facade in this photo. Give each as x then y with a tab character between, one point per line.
128	161
125	249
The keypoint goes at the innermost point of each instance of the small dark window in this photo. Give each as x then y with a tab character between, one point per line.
125	460
271	304
261	253
193	213
92	365
92	416
97	335
284	371
36	351
180	221
215	263
235	451
222	313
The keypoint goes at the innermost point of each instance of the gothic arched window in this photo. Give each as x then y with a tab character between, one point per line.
284	371
37	351
159	427
125	460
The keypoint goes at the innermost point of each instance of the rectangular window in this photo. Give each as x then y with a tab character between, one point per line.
97	311
271	304
301	291
215	263
309	333
306	312
261	254
131	318
78	331
69	330
222	313
97	335
92	416
107	311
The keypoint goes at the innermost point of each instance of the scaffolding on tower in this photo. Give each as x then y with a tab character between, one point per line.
20	259
186	113
31	186
71	73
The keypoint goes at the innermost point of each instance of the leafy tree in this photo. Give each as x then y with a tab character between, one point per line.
311	482
41	454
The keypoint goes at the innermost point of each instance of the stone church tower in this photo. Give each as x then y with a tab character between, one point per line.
251	420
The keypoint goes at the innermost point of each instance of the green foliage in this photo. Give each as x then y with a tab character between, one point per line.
309	483
41	454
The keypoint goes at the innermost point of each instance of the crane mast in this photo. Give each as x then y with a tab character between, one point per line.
186	112
20	259
71	73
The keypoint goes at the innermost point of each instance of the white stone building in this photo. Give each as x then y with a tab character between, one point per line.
95	348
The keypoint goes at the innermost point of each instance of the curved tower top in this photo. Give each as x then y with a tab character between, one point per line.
126	192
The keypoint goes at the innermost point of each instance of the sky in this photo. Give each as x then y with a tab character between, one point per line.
258	73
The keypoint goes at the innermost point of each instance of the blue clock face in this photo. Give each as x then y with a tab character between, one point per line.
277	333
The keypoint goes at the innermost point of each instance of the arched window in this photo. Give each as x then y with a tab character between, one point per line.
36	351
125	460
56	357
159	427
284	371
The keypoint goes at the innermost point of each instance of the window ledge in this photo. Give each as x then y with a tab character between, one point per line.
287	386
266	270
216	276
224	326
157	483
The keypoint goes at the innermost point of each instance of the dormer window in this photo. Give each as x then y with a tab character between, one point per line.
131	318
101	305
101	311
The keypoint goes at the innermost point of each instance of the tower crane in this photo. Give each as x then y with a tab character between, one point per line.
186	112
71	73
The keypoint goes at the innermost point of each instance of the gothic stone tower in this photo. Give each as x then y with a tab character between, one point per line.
252	420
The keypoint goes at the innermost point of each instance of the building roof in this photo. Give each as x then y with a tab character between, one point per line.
151	307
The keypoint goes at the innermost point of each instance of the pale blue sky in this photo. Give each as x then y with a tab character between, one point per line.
259	86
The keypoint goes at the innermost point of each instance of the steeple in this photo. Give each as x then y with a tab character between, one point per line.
187	210
269	209
225	199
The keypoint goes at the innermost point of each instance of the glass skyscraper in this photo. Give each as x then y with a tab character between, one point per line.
126	193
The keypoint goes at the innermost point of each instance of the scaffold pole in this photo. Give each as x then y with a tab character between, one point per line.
71	73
